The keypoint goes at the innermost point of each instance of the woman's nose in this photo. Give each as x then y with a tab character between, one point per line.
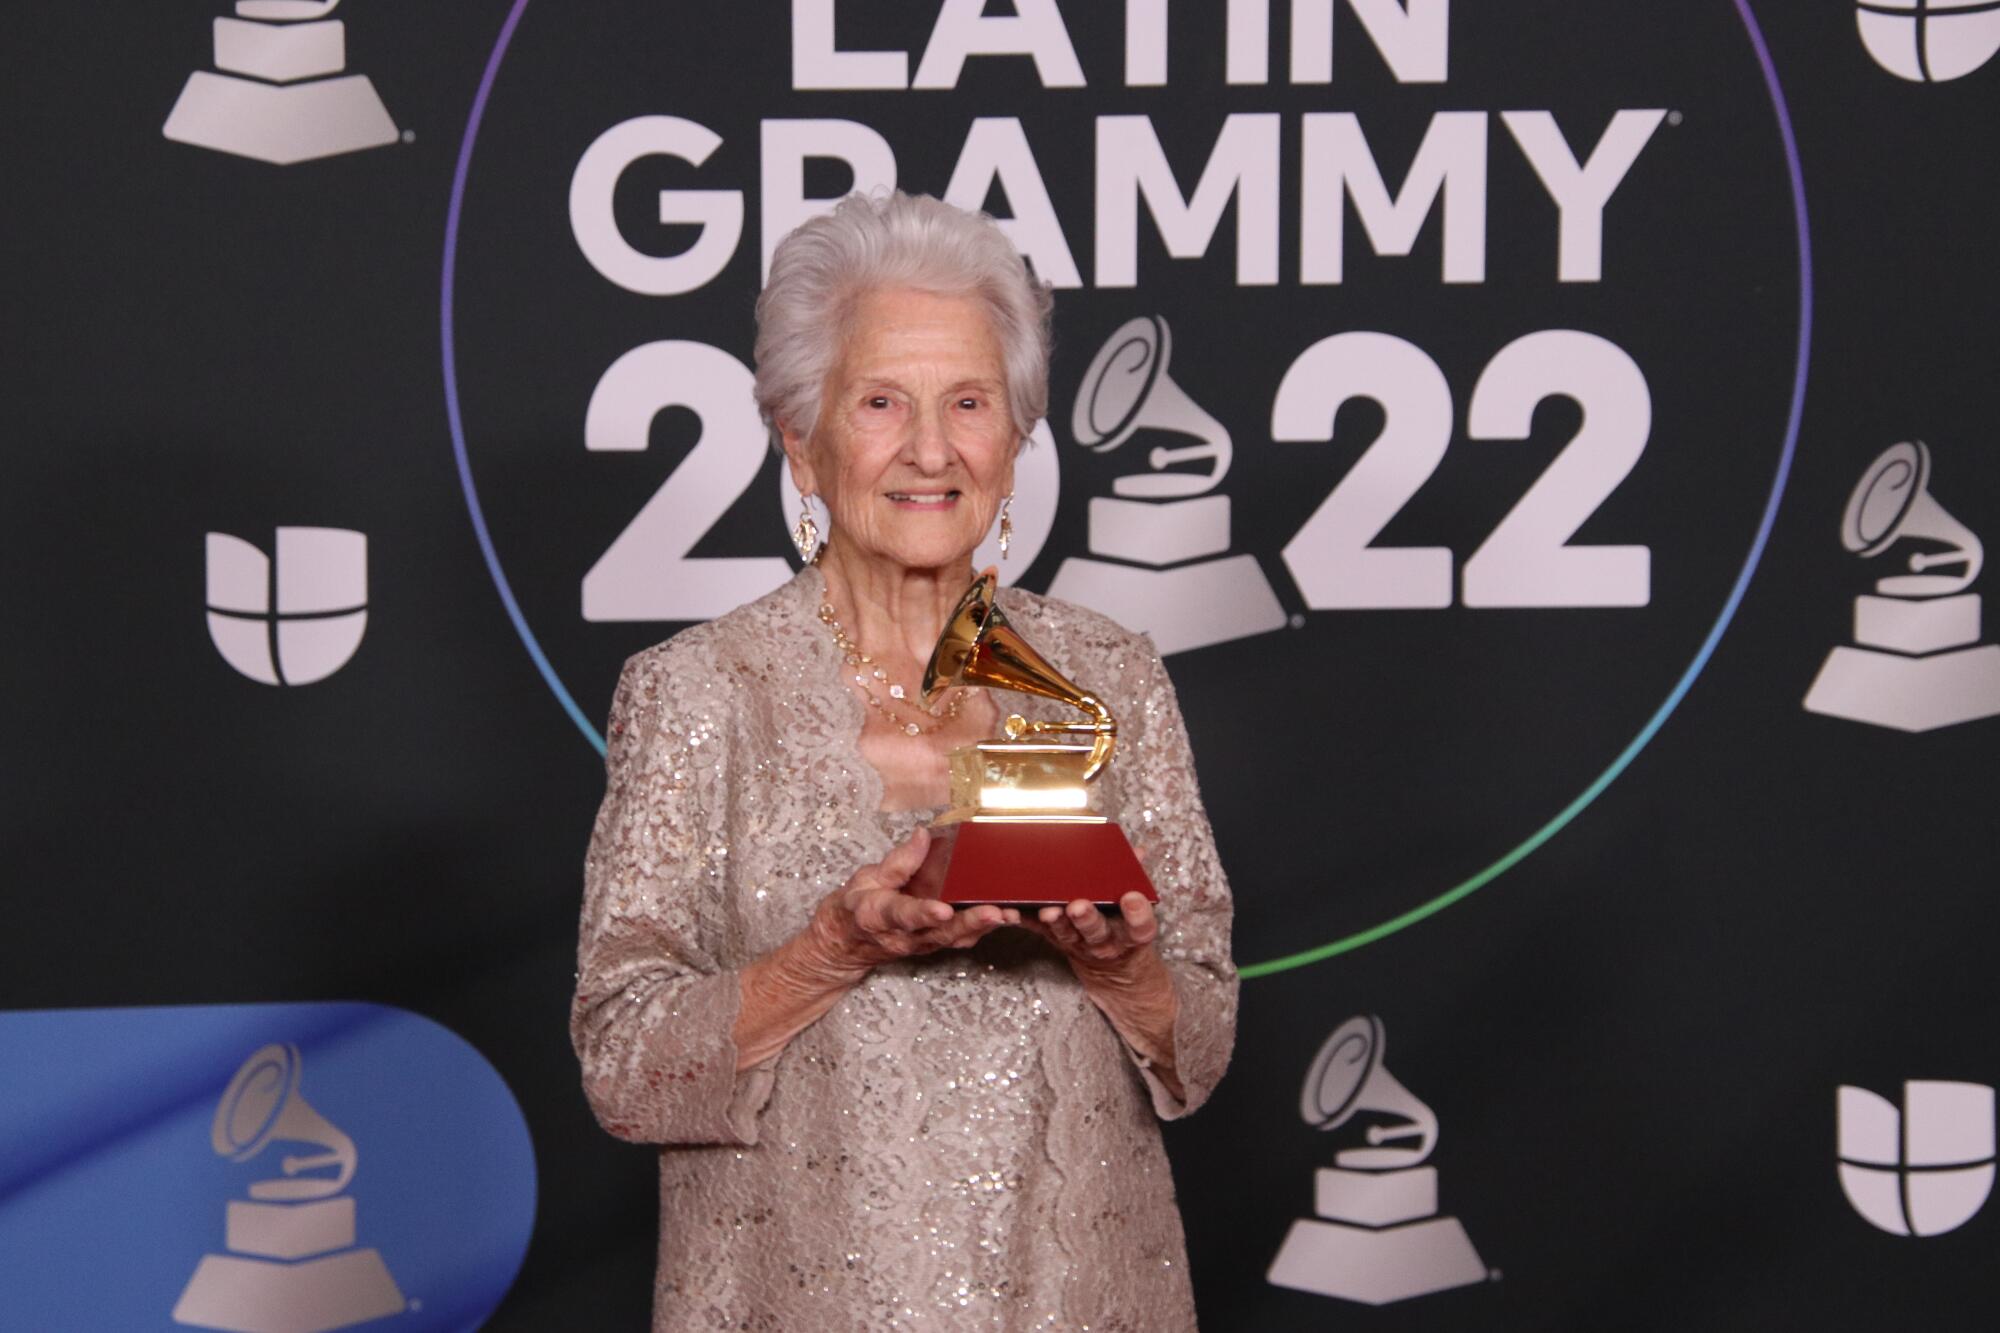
929	447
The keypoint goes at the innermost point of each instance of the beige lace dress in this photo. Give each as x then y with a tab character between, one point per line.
963	1141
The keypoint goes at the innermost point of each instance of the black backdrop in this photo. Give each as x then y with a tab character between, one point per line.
1728	906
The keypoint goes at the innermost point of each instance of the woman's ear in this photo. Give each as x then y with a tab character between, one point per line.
798	456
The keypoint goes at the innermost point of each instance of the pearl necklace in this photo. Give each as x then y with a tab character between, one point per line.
869	675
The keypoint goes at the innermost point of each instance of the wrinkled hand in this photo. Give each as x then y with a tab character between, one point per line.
1122	973
870	920
1098	945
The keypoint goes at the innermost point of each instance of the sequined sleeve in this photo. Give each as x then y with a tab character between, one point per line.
1169	829
655	1007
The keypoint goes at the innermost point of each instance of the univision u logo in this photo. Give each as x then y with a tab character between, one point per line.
1929	41
294	619
1923	1170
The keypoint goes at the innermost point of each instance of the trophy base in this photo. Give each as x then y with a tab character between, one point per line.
1030	862
1192	606
290	1230
1373	1266
1908	693
243	1295
280	52
281	124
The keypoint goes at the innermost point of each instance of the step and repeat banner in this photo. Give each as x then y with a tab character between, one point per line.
1550	440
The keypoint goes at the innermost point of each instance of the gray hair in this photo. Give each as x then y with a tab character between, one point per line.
881	242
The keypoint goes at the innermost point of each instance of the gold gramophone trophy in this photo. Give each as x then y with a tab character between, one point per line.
1020	831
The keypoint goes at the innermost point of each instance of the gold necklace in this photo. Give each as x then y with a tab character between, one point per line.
868	675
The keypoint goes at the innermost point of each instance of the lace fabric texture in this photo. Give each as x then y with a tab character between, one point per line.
963	1141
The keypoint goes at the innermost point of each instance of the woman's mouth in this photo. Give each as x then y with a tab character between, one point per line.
924	499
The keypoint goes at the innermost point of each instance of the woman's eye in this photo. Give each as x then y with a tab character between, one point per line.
879	402
969	404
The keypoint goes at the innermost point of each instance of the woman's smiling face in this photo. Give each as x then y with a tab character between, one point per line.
914	448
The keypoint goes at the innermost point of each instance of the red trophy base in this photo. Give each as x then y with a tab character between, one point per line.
1030	863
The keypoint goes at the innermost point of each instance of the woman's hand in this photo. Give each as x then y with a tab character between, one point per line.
1122	973
1099	946
870	920
866	921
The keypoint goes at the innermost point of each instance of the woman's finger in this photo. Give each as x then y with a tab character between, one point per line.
972	922
907	913
962	930
894	870
1060	930
883	911
1141	925
971	927
1089	922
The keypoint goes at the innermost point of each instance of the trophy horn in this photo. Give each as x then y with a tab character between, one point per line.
262	1106
980	647
1126	388
1893	501
1348	1077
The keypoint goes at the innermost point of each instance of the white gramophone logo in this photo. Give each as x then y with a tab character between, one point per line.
319	584
280	96
1919	664
292	1265
1929	41
1922	1171
1164	532
1378	1237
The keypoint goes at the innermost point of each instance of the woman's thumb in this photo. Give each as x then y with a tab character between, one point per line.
898	866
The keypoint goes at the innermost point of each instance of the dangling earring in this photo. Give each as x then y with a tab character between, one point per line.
805	533
1006	524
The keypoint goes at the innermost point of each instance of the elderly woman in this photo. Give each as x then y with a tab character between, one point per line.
875	1112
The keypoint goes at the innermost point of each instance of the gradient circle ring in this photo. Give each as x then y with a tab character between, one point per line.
1381	930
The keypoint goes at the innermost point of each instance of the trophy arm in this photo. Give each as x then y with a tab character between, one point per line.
1105	735
1102	729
